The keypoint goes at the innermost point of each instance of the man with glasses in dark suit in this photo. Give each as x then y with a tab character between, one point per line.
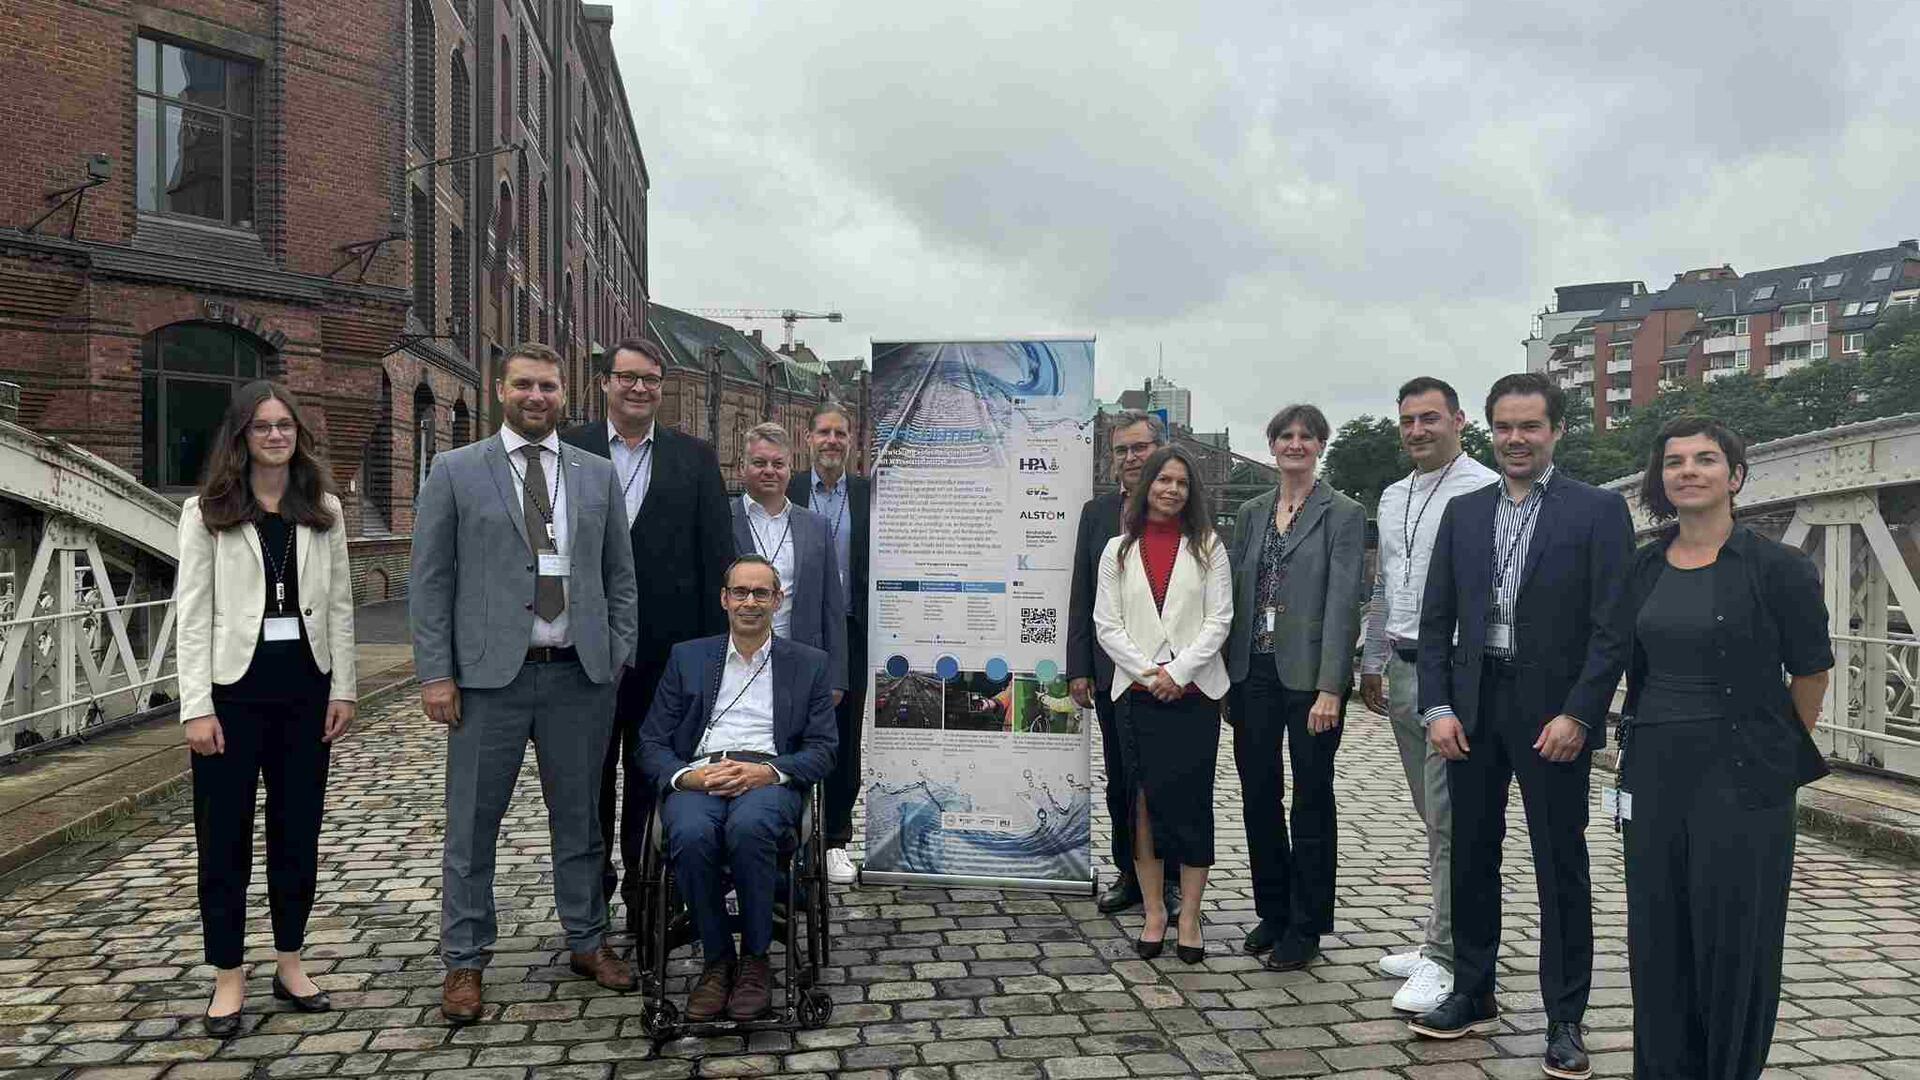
681	531
1133	437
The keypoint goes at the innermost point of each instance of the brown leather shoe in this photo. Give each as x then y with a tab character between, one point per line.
752	991
460	996
603	966
709	997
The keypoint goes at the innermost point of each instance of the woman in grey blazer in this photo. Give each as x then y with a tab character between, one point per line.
1298	559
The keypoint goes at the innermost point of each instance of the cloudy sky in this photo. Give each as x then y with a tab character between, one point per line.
1300	201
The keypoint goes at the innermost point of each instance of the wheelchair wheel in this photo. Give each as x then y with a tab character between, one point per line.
816	1008
660	1020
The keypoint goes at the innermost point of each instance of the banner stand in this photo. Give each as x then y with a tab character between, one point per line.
961	881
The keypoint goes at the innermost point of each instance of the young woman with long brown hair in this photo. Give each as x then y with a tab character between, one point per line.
267	681
1162	612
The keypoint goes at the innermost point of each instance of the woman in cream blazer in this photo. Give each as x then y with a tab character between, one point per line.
1162	611
264	604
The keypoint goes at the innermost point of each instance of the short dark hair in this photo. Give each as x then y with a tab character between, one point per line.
1307	416
1653	488
531	350
1527	384
1427	384
642	346
726	579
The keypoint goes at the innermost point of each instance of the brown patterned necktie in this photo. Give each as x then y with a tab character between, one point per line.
549	593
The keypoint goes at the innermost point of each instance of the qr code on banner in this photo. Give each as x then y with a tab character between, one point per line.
1039	625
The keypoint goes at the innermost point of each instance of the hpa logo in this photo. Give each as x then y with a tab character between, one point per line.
1039	465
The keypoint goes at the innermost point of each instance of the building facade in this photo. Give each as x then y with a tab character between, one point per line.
1571	304
1715	322
369	201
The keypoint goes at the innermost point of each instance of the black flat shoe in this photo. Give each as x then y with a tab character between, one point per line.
1262	937
1190	954
1566	1057
1292	953
316	1002
224	1027
1148	949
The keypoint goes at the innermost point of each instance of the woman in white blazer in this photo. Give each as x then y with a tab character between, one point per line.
264	604
1162	611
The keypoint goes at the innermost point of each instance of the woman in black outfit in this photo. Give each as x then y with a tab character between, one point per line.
1728	661
267	680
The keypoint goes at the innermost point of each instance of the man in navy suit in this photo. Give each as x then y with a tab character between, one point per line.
797	541
1517	669
741	725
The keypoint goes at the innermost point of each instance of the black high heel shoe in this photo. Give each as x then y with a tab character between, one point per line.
1190	954
316	1002
1148	949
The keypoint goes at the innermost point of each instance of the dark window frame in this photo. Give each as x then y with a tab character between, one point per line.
148	178
157	380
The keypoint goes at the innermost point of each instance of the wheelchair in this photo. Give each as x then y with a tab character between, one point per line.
799	923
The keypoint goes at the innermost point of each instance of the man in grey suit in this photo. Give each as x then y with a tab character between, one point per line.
523	611
813	608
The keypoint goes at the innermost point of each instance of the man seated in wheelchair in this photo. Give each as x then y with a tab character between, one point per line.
741	726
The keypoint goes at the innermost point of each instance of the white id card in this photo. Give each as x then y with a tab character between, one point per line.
281	628
1269	619
552	565
1500	636
1617	803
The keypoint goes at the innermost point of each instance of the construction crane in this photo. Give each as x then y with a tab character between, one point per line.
787	316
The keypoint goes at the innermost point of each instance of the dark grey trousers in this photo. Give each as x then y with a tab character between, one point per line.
569	720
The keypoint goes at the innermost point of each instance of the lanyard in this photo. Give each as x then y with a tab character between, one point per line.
833	519
765	659
641	456
546	513
279	572
1408	532
760	546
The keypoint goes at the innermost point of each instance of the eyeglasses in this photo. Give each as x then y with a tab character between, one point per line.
262	428
741	594
1139	449
626	379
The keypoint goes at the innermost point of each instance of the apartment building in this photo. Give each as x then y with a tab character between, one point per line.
1715	322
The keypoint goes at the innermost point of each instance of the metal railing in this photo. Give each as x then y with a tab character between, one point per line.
83	657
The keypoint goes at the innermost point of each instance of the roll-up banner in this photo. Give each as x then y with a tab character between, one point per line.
977	765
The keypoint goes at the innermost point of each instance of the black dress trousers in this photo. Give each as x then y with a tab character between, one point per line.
1293	875
278	738
1707	882
1555	797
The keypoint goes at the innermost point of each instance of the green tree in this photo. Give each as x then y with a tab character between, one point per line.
1593	456
1478	444
1365	457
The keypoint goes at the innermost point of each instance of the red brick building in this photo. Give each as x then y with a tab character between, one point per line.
368	199
1714	322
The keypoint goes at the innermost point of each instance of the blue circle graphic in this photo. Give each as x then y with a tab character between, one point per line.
997	668
947	667
897	666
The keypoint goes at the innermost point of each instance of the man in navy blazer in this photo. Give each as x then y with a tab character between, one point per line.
741	725
1518	665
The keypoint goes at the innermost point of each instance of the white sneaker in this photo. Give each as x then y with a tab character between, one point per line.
840	867
1402	965
1424	992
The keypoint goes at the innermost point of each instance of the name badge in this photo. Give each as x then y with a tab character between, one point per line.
1500	636
281	628
1269	619
552	565
1617	803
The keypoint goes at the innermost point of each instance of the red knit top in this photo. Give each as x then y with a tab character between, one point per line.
1159	547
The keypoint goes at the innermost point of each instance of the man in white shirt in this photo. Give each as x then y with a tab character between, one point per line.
740	726
1431	422
799	544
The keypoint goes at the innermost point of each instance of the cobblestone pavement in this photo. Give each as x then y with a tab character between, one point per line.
100	970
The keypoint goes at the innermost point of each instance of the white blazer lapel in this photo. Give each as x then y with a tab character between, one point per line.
1182	585
302	543
1141	610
